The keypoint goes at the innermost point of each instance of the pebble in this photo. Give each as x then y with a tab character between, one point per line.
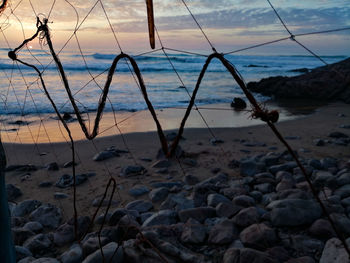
139	190
139	205
223	233
48	215
163	217
158	194
132	170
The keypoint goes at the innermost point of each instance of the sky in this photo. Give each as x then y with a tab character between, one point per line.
229	24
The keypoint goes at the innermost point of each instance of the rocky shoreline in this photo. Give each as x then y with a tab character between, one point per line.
328	83
266	215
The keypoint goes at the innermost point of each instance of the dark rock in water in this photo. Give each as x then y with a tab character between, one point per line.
238	104
48	215
13	192
327	83
19	122
66	116
337	134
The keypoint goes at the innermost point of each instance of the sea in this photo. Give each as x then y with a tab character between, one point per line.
21	92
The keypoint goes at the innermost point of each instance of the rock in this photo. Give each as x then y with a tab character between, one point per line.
264	188
158	194
248	168
246	255
258	236
328	162
337	134
343	179
73	255
35	227
214	199
68	164
223	233
119	213
13	192
67	180
215	141
191	179
139	190
45	184
343	191
320	83
319	142
163	217
335	252
164	163
132	170
20	235
315	164
112	252
282	167
243	200
48	215
21	168
322	229
92	244
96	202
139	205
177	202
25	207
342	223
279	253
193	232
22	252
63	235
27	260
238	104
104	155
227	209
45	260
247	217
52	167
294	212
59	196
38	244
304	245
199	214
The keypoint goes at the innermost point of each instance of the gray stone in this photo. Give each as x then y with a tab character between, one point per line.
59	196
319	142
22	252
304	245
223	233
48	215
38	244
110	252
119	213
315	164
294	212
264	188
177	202
25	207
26	260
45	184
214	199
73	255
342	222
139	190
35	227
248	168
52	166
322	229
198	213
163	217
328	162
343	179
282	167
92	244
158	194
346	202
285	184
168	185
104	155
20	235
343	191
13	192
67	180
139	205
227	209
193	232
335	252
247	255
243	200
132	170
258	236
247	217
63	235
191	179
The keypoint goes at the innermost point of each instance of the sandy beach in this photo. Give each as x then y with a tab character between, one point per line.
207	157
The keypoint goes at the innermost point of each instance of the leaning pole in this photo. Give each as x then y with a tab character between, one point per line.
7	251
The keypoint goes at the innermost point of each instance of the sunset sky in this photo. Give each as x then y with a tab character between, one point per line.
229	24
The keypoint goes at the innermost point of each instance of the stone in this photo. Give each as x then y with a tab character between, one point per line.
247	217
22	252
335	252
73	255
342	223
20	235
191	179
13	192
247	255
258	236
63	235
238	104
319	142
35	227
92	244
248	168
322	229
48	215
193	232
132	170
158	194
223	233
119	213
45	184
67	180
104	155
38	244
343	191
279	253
139	205
264	188
168	185
163	217
243	200
177	202
52	167
199	213
138	190
214	199
315	164
68	164
304	245
343	179
282	167
227	209
25	207
112	252
328	162
59	196
338	134
294	212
